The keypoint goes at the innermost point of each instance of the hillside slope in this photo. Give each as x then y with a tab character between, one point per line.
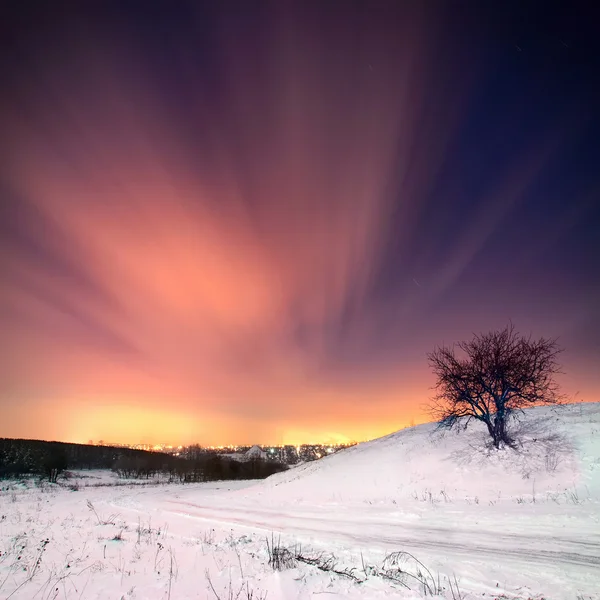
558	453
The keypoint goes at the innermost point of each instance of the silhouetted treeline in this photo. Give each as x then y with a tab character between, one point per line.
207	467
20	458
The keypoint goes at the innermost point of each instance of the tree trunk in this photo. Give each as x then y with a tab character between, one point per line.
498	432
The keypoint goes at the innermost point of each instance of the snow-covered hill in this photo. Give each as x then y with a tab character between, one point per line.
558	451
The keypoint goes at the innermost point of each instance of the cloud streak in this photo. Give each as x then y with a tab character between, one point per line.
210	230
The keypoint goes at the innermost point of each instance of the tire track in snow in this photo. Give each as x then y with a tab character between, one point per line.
382	535
421	538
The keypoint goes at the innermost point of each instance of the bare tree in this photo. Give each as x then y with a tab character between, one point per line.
492	377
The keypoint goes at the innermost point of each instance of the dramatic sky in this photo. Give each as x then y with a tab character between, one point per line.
249	222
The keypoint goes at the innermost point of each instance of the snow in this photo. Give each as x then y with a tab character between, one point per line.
502	524
557	451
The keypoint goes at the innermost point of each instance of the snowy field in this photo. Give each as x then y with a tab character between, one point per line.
507	524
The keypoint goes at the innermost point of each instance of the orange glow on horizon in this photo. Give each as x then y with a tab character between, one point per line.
138	421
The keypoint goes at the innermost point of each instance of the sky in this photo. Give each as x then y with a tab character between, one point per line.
239	222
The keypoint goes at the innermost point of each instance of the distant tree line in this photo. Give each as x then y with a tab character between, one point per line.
19	458
203	467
